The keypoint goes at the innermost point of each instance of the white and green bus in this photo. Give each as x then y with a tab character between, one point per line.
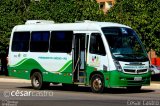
96	54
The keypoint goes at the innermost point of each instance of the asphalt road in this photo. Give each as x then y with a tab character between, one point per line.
22	94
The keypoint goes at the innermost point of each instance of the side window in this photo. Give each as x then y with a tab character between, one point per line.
20	41
96	44
39	41
61	41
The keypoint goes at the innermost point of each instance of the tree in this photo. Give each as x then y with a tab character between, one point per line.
10	16
15	12
141	15
66	11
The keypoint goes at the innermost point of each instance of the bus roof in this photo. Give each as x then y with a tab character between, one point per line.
44	25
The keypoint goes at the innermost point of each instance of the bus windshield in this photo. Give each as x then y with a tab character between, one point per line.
124	44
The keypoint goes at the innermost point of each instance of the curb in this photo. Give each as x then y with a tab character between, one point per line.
152	86
14	80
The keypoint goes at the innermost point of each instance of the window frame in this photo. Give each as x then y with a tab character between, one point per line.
40	41
28	48
51	48
103	46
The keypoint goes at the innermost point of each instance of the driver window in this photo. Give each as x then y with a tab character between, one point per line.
96	44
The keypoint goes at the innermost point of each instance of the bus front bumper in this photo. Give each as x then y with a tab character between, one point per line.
120	79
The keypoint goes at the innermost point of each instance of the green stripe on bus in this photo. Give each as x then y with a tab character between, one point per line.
22	61
31	62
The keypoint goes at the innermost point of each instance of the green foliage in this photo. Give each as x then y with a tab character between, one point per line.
141	15
15	12
9	17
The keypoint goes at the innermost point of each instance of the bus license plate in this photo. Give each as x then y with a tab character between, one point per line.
137	78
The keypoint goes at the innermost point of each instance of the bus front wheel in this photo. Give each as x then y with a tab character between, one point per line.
97	83
37	81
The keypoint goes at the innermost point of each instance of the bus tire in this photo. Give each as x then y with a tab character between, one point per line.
37	81
97	83
134	88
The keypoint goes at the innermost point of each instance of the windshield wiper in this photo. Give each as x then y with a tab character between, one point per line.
121	55
137	56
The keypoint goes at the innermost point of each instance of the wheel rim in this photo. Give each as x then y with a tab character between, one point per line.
97	84
36	81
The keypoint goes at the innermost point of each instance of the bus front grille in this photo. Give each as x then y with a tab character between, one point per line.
142	71
132	71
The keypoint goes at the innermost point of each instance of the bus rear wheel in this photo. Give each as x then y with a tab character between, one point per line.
97	83
37	81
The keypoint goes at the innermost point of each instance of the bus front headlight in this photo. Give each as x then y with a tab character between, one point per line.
118	66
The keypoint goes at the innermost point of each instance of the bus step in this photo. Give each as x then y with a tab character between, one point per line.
82	79
79	83
81	73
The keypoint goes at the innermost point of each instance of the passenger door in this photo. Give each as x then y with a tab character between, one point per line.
79	57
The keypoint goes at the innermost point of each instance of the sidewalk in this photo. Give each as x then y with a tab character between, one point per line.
153	85
13	80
